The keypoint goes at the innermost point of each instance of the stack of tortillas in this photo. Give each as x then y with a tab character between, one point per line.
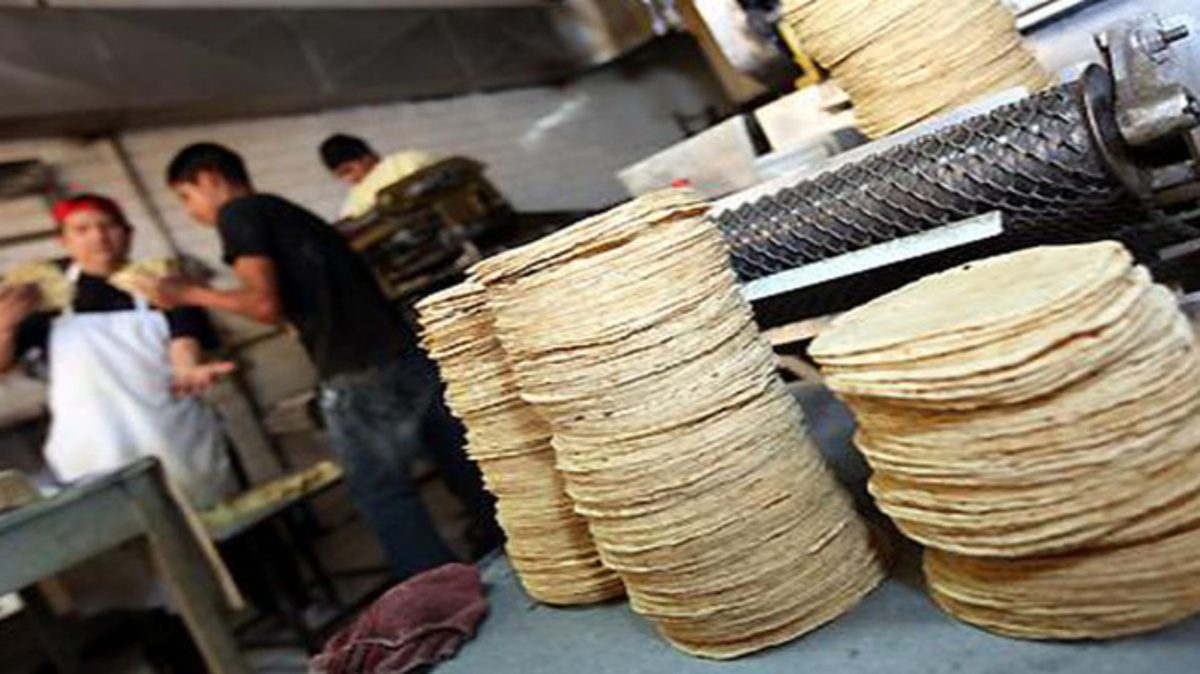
678	442
129	276
548	544
1040	405
902	61
53	287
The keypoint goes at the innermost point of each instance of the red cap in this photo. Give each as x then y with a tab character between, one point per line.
88	202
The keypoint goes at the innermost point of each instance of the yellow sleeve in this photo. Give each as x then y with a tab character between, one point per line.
358	202
390	170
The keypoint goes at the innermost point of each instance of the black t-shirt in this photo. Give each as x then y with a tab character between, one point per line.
327	292
94	295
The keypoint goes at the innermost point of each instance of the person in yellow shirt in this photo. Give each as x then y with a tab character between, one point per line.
354	162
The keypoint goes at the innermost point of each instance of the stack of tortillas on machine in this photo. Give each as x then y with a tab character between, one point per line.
678	442
902	61
548	544
1032	418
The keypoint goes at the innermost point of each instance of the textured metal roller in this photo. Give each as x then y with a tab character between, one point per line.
1034	160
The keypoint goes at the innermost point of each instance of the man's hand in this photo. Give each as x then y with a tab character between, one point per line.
168	292
258	298
16	303
196	380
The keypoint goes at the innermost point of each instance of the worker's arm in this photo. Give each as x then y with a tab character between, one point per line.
256	299
17	302
190	375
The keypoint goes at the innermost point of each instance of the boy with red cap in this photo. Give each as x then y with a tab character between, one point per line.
123	374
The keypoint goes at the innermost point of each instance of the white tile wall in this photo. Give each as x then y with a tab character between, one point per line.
24	216
80	166
547	148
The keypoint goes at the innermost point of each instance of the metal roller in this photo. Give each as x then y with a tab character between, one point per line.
1058	164
1034	160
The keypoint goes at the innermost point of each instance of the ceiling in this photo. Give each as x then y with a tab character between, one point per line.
276	4
83	67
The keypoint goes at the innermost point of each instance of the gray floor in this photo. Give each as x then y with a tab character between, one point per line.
897	629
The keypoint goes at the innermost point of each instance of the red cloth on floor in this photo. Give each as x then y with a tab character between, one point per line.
420	622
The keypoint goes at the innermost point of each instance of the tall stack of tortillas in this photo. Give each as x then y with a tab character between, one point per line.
548	544
902	61
1041	406
678	442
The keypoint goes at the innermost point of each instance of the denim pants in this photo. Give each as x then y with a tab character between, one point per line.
378	421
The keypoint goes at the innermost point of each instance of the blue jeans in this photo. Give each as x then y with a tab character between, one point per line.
378	420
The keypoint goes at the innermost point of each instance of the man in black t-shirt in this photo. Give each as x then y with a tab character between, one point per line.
380	394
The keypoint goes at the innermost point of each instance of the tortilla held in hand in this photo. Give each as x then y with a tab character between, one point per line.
50	280
131	274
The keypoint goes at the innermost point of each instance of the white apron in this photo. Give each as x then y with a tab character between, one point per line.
111	403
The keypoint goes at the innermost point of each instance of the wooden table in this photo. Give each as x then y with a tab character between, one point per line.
53	534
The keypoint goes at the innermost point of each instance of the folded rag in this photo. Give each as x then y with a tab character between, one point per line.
417	623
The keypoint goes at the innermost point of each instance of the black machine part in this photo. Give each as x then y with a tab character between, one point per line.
1041	161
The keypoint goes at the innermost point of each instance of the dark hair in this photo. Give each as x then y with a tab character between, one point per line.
340	148
198	157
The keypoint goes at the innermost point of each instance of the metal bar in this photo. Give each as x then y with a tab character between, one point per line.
143	191
1045	12
974	229
18	239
